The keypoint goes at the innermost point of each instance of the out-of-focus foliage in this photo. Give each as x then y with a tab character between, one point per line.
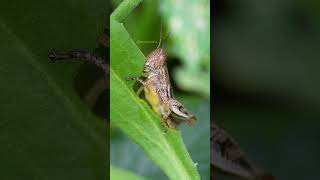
46	130
267	72
189	24
270	47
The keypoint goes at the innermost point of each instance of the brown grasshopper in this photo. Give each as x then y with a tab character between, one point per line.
227	157
158	91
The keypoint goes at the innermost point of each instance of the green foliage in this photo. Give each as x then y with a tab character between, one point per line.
46	131
189	25
119	174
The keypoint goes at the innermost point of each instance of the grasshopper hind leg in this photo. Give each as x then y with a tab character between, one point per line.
140	90
180	113
136	79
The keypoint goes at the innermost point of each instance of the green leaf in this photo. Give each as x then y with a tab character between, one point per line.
46	131
127	155
119	174
133	115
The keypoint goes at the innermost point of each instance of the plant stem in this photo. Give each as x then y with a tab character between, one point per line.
124	9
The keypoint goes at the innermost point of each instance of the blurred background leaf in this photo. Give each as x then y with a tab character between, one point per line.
269	47
47	132
267	82
189	25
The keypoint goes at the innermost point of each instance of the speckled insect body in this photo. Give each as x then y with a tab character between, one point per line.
158	91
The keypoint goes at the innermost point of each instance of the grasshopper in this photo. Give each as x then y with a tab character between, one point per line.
158	91
227	157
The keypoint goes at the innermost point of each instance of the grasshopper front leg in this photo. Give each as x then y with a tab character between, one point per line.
137	79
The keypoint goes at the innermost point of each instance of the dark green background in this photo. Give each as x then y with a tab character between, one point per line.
266	64
46	130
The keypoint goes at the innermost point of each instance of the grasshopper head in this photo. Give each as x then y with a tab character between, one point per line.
156	59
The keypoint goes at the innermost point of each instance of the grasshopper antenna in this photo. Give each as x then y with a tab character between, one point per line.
160	35
165	41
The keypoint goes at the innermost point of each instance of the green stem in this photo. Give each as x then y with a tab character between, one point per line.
124	9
